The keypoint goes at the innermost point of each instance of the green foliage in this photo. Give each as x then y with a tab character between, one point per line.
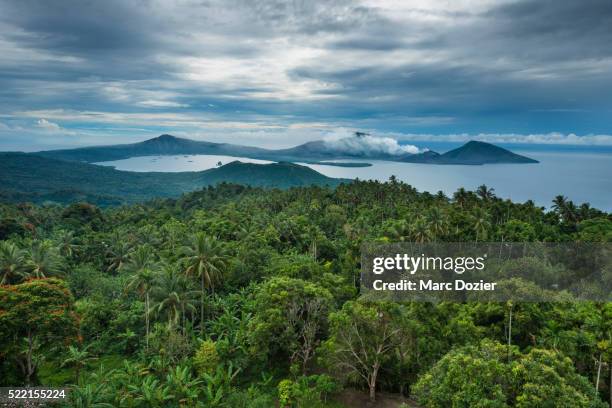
364	339
290	317
206	358
305	391
494	375
270	278
34	316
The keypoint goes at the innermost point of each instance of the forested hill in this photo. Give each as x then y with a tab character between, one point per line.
29	177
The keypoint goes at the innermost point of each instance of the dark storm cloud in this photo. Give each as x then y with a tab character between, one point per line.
550	18
523	66
79	27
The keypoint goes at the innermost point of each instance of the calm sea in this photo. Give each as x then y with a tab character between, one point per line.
581	176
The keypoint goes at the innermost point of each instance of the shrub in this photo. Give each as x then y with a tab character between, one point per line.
206	358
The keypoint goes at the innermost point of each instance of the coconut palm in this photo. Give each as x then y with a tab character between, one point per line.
12	262
485	193
461	196
440	196
559	205
174	297
44	260
399	231
571	212
436	222
204	258
481	221
420	231
584	211
142	265
117	255
67	243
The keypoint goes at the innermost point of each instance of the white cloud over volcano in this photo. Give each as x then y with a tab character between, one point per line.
368	144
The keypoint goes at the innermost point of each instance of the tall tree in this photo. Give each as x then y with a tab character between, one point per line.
559	205
363	339
482	222
485	193
461	197
204	258
141	264
35	315
173	296
420	231
289	320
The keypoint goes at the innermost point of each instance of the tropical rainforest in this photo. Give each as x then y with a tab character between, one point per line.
235	296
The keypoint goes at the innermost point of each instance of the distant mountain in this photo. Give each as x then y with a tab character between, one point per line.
311	152
161	145
475	152
31	177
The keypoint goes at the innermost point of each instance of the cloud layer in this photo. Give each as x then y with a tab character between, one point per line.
274	72
368	144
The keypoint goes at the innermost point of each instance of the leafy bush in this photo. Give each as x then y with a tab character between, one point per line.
492	375
206	358
306	391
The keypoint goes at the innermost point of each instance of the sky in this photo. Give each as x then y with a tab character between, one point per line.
275	73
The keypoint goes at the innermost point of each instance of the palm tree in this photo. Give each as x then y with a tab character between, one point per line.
420	231
78	357
43	260
571	212
117	255
67	243
461	197
436	222
12	262
584	211
485	193
559	205
143	266
399	231
440	196
204	258
482	222
174	296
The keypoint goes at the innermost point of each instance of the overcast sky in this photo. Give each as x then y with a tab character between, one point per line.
278	73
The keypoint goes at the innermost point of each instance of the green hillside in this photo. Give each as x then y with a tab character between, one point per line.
30	177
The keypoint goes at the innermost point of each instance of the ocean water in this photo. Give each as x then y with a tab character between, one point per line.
176	163
580	176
